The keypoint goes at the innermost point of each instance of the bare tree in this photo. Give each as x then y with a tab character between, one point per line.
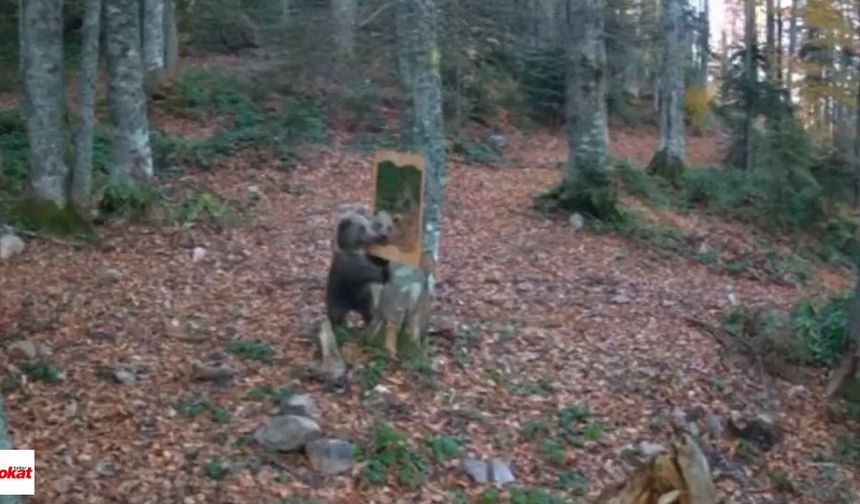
750	72
82	176
42	65
792	44
171	35
344	14
587	184
668	162
131	160
770	40
153	35
420	60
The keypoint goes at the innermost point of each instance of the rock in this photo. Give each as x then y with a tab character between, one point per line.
679	419
288	432
621	298
43	350
10	245
500	472
760	431
499	140
109	277
694	429
198	254
714	426
647	449
330	456
105	469
301	405
797	392
213	372
124	376
494	470
22	350
577	222
476	469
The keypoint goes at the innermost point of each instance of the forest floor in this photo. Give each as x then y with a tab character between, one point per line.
532	317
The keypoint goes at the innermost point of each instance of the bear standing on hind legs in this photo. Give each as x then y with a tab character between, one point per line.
352	277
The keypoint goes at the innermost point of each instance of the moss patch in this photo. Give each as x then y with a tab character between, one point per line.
44	216
668	166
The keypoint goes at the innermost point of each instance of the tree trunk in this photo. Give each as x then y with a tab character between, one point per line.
705	44
82	176
6	443
131	156
855	319
344	13
792	46
752	78
587	185
285	13
848	370
153	35
668	162
770	40
42	63
171	36
405	69
421	32
780	53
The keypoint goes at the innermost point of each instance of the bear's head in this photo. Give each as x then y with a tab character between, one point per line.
358	227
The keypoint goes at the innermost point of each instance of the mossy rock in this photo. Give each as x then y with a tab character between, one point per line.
45	216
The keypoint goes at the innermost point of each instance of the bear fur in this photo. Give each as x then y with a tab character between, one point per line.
353	272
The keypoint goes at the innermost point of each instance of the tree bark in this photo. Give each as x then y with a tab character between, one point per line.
668	162
406	299
752	78
344	14
42	64
587	184
848	369
82	176
855	318
405	68
153	35
792	46
285	13
705	43
770	40
131	155
171	36
780	53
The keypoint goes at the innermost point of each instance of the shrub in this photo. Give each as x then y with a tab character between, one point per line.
824	328
475	151
389	451
697	106
206	92
129	201
640	184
